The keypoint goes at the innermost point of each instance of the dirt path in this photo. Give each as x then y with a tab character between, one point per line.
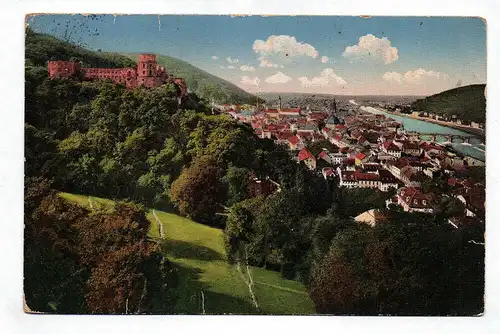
248	282
160	225
90	203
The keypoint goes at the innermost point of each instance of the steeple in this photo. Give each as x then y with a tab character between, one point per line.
279	98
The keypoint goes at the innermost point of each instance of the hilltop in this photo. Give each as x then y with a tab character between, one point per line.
41	48
468	103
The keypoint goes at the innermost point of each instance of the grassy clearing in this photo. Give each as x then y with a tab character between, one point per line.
197	251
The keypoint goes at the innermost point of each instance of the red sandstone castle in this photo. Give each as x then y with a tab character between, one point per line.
148	73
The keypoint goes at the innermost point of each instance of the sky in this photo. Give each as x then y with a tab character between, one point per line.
342	55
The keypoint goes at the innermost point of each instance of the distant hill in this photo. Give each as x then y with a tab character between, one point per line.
468	103
41	48
203	83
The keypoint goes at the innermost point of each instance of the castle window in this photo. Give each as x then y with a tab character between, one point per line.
144	72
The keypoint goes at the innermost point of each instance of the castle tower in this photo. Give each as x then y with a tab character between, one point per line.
279	98
146	70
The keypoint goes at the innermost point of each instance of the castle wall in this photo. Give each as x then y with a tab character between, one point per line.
148	73
63	69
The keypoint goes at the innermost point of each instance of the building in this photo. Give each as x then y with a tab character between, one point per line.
337	158
386	180
308	158
411	199
295	143
411	148
390	148
360	158
371	217
148	73
262	187
290	111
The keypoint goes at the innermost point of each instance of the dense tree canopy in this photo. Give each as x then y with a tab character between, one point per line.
76	261
406	268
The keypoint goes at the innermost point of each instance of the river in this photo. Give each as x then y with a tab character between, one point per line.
475	149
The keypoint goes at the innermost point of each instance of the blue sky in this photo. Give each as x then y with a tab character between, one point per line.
380	55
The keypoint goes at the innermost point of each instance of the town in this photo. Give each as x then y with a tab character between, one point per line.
365	150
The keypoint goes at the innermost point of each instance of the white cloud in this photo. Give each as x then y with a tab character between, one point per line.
326	78
392	77
418	76
246	80
278	78
284	46
215	57
232	60
324	59
266	63
372	47
246	68
231	67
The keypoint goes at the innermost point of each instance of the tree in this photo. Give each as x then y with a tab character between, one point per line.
237	180
198	192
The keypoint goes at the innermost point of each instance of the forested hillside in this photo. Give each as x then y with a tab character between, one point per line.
468	103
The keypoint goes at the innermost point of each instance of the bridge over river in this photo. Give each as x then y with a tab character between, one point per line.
447	138
463	142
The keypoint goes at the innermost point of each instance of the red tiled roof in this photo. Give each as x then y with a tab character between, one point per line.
411	194
294	140
360	156
291	110
271	111
305	154
305	135
366	176
348	161
321	154
386	176
318	116
390	146
285	134
328	171
256	125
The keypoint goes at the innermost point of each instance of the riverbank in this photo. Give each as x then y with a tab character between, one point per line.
474	131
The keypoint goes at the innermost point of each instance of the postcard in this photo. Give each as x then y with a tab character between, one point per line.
254	165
